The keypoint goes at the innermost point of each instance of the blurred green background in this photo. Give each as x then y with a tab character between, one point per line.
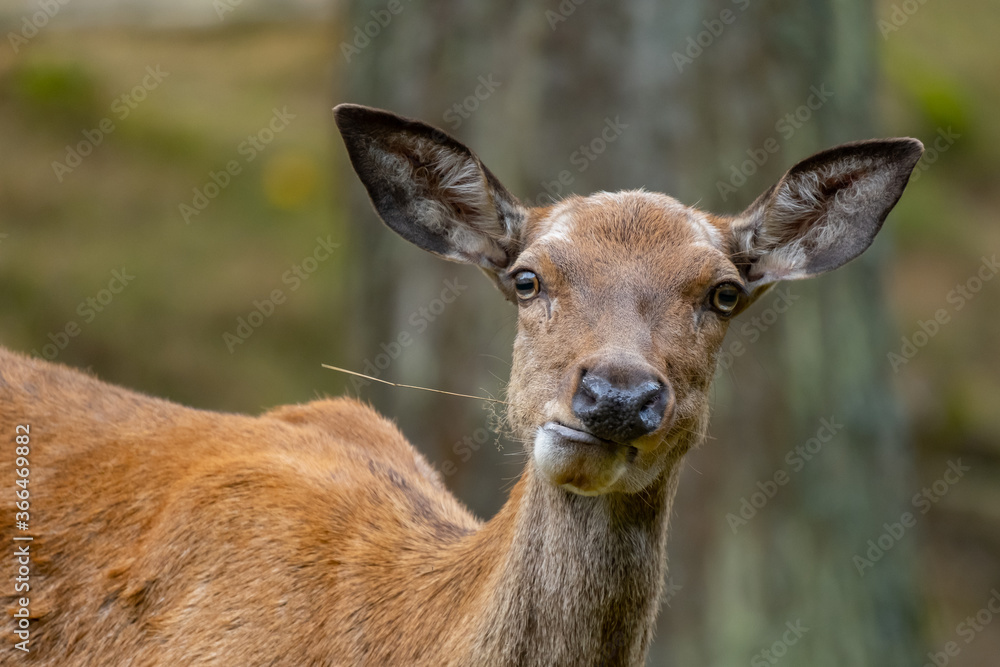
698	88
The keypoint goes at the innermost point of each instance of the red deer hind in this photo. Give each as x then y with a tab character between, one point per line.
317	535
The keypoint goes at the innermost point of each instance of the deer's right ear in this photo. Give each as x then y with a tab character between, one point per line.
431	189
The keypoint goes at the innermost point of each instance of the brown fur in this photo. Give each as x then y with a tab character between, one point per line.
316	534
312	534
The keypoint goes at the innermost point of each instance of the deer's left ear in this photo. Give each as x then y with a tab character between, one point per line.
823	213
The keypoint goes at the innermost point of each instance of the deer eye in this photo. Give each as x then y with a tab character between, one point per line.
725	297
526	285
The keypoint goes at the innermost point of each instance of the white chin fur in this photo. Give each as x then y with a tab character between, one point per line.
585	469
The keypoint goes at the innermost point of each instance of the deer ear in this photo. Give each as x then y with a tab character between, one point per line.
431	189
823	213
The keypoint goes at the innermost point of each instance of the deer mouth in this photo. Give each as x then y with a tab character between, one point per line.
576	435
579	461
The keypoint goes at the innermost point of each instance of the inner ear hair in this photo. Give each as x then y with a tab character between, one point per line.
824	212
431	189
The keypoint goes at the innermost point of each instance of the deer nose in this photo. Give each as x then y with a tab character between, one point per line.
620	404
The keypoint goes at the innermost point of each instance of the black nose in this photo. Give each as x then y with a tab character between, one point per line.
620	404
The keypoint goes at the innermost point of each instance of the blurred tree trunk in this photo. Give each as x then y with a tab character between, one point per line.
420	62
686	89
822	359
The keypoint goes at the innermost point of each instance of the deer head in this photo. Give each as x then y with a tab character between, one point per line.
623	298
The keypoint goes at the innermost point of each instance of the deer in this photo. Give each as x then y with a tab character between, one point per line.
316	534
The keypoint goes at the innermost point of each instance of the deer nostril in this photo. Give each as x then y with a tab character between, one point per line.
619	413
652	412
590	393
651	391
654	392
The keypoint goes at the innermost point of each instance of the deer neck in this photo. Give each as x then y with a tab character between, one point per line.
576	580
